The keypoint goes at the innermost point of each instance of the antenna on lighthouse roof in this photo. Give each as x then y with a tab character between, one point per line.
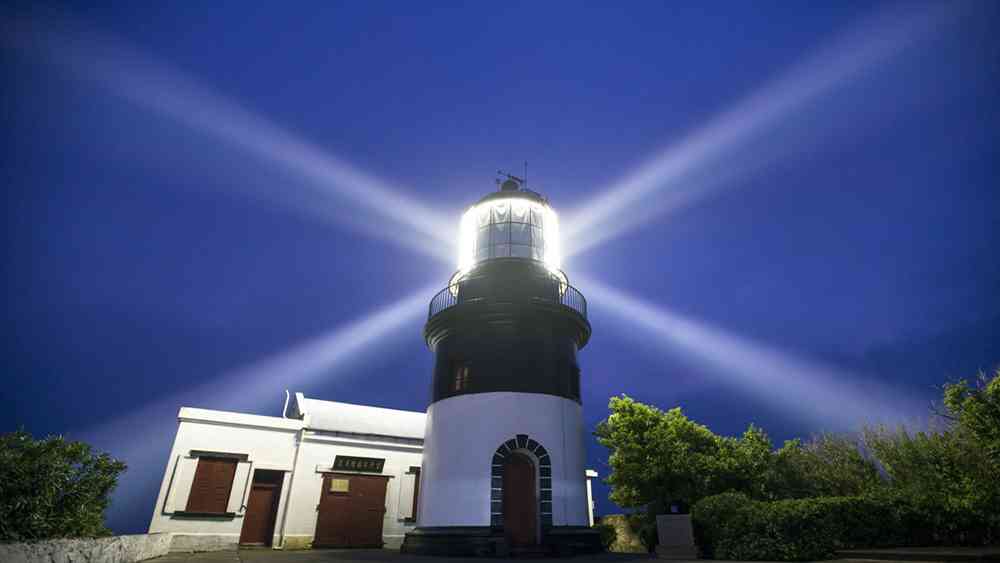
512	183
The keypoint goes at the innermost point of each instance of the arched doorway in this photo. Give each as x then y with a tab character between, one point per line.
520	502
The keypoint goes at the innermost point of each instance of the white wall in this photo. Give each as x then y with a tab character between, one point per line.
462	434
267	442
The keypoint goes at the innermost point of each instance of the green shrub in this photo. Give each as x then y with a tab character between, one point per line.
644	526
608	534
53	488
733	526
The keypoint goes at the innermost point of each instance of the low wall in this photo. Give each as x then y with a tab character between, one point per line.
114	549
204	542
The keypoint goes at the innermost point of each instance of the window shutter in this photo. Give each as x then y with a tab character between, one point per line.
213	483
240	481
409	487
180	484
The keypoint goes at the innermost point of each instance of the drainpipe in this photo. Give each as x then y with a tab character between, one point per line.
291	482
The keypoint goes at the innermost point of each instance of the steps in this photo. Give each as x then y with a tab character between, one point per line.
917	554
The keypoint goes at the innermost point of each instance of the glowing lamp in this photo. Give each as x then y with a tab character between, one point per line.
509	224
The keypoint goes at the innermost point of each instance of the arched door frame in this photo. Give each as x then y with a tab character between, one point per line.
543	488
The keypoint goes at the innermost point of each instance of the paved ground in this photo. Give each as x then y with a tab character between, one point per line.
911	555
364	556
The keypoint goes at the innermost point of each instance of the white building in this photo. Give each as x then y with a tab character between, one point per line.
327	474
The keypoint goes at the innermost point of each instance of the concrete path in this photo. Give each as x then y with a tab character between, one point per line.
366	556
910	555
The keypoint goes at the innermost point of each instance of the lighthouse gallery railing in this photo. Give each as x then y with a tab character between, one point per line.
566	295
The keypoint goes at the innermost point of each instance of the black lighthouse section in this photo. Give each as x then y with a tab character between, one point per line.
510	325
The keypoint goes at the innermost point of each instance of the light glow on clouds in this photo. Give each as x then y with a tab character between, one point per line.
328	182
714	155
829	398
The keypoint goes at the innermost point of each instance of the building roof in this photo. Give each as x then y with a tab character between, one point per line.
333	416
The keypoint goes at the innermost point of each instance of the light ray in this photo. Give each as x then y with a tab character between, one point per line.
107	62
734	142
143	436
819	394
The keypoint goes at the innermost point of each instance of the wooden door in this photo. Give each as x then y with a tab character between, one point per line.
520	506
262	508
351	510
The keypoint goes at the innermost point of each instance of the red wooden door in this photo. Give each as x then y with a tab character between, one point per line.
258	521
351	510
520	506
262	508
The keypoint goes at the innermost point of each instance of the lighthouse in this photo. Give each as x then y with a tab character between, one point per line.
503	469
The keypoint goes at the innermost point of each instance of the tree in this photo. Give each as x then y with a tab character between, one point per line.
53	488
655	456
658	457
827	465
976	410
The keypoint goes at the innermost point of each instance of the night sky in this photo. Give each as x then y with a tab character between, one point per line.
205	204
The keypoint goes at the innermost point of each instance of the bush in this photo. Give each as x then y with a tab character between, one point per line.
608	534
53	488
733	526
644	526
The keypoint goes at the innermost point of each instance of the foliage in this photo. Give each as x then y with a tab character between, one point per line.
976	409
664	457
644	525
734	526
53	488
608	534
885	487
828	465
659	458
946	477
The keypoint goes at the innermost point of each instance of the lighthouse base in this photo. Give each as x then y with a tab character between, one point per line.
486	541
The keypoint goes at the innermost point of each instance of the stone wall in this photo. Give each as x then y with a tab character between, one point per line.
626	540
114	549
204	542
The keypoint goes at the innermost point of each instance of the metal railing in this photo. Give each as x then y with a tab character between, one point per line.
561	294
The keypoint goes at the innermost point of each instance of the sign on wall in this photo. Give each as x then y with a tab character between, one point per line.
363	464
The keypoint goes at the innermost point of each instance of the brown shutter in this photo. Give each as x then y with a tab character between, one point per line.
213	480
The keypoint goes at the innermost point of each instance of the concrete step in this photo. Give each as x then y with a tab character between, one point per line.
678	552
918	554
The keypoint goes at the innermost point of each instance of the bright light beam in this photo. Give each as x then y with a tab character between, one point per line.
110	64
830	398
142	437
709	152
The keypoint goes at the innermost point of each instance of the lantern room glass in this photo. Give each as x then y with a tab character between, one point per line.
508	228
513	227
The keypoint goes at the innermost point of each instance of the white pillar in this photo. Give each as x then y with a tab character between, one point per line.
591	474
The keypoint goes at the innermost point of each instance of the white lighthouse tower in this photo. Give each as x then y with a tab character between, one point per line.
503	466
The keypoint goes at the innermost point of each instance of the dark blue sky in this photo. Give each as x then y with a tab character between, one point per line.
145	255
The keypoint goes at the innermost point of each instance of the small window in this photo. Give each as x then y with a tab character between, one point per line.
340	485
460	380
213	481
